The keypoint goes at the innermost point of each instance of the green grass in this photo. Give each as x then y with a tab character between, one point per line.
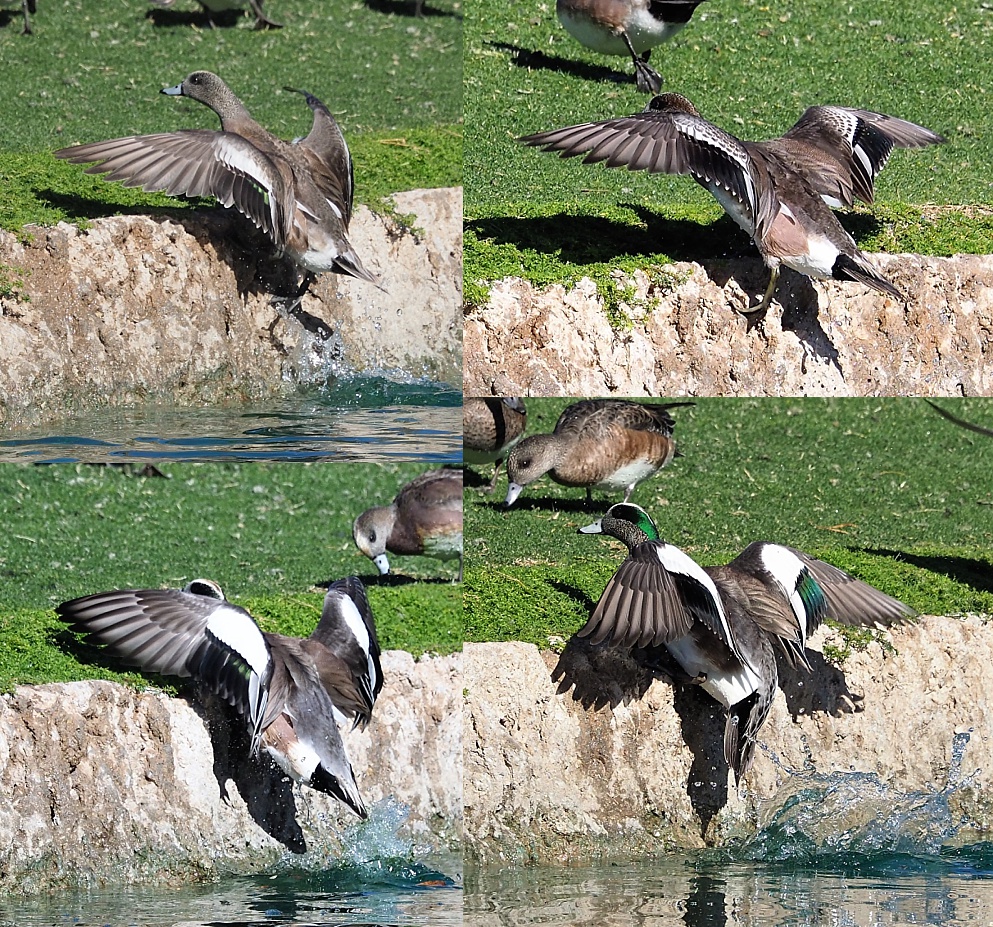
752	68
885	489
271	535
93	71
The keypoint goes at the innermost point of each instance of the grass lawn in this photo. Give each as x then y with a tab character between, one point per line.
269	534
750	67
93	71
885	489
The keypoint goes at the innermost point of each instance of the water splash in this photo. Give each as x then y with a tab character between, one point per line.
837	817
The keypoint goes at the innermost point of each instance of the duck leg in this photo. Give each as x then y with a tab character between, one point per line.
261	20
757	315
647	79
28	6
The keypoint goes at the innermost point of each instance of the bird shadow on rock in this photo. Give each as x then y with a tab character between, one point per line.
535	60
978	574
823	689
266	790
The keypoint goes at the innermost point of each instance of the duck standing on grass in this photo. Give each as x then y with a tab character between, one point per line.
720	623
780	191
292	692
491	426
299	194
610	444
627	27
425	518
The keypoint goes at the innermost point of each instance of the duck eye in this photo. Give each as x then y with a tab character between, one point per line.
372	537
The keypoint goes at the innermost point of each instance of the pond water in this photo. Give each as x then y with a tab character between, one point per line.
837	849
354	418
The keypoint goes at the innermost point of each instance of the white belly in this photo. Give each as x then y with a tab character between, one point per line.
643	29
727	687
630	473
819	262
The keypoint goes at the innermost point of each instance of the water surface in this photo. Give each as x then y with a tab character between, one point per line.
356	418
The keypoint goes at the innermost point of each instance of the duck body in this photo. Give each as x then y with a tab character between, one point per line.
723	624
292	692
299	194
610	444
425	518
626	27
780	191
491	427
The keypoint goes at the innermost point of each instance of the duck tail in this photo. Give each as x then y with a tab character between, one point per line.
847	267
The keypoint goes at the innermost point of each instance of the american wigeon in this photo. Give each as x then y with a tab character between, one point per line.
222	6
720	623
299	194
292	692
26	7
491	426
610	444
627	27
425	518
778	191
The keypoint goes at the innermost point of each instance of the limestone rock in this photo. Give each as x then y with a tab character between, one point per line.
102	784
586	753
821	338
146	307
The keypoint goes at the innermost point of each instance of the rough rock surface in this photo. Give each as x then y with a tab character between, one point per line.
101	784
819	339
145	307
589	753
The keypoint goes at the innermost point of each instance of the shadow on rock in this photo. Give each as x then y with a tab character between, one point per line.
265	788
600	676
824	689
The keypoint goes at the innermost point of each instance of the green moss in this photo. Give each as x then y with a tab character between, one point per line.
751	68
855	640
882	488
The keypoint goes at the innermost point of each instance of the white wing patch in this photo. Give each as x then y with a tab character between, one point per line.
678	561
785	568
236	630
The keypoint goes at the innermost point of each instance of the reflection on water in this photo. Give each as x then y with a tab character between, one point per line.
353	419
393	893
833	849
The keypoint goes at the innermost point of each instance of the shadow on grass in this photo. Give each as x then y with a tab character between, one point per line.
526	503
977	574
408	8
393	580
533	60
224	19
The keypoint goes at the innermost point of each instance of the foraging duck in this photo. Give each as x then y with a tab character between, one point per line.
222	6
720	623
424	518
491	426
626	27
610	444
26	7
299	194
778	191
292	692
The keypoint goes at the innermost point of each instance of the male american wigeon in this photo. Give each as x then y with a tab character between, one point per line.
299	194
425	518
610	444
627	27
222	6
778	191
720	623
25	6
491	426
292	692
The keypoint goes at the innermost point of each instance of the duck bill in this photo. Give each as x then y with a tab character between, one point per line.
382	564
595	528
176	91
513	491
